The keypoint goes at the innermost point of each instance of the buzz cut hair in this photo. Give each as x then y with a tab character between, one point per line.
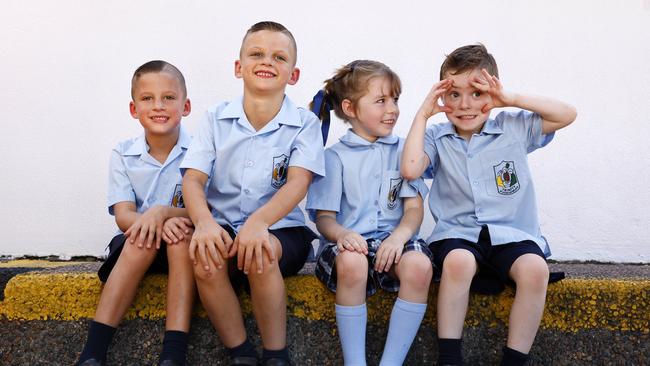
156	66
273	27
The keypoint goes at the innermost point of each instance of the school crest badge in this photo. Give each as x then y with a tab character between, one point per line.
505	177
393	192
280	168
177	198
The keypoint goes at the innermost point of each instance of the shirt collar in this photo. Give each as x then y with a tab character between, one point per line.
288	114
352	139
491	127
139	146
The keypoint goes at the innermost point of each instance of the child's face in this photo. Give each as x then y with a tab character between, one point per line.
466	103
376	112
267	62
159	103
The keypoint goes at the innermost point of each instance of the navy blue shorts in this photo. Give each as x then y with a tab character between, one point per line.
115	247
295	242
494	262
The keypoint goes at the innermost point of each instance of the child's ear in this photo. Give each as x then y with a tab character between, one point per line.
238	69
348	108
295	75
187	107
134	112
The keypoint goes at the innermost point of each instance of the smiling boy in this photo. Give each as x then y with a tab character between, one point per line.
257	156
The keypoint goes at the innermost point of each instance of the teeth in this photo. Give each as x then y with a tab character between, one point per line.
264	74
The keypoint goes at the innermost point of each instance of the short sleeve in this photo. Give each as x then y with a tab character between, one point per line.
528	128
307	150
325	191
201	153
119	184
431	151
412	188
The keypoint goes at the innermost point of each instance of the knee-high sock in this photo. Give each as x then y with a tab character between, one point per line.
405	321
351	322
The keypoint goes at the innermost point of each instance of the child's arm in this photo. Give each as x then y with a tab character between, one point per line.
146	228
334	232
555	114
414	159
390	250
210	240
254	234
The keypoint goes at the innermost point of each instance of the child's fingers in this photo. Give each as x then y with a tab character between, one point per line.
259	255
266	244
233	245
186	221
241	252
217	260
390	257
168	234
204	257
151	237
158	236
166	238
192	250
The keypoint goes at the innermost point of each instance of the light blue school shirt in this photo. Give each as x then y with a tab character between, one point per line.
247	167
486	181
135	176
363	185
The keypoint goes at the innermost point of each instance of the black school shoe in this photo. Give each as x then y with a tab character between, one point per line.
277	362
91	362
169	363
242	361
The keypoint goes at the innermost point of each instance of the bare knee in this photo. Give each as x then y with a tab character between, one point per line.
179	250
135	256
214	274
351	268
459	265
530	272
415	270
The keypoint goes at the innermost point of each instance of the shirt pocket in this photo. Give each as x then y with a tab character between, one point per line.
390	200
505	171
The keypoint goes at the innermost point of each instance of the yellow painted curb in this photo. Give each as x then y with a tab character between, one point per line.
36	263
572	304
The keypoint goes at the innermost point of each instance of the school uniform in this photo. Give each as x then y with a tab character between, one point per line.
135	176
364	187
247	167
482	196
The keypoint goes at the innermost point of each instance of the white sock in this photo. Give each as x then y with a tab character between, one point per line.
404	323
351	322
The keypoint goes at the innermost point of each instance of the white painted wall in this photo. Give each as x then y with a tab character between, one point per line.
64	93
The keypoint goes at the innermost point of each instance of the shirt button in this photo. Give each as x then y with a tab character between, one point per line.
372	221
249	163
475	183
247	191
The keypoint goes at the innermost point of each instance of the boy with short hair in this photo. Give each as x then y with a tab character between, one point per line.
145	196
482	197
257	154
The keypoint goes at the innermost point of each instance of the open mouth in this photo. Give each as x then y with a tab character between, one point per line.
388	122
468	117
265	74
160	119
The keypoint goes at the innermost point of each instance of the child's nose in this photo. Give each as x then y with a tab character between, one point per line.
159	104
464	102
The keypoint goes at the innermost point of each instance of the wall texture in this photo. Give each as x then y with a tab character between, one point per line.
66	66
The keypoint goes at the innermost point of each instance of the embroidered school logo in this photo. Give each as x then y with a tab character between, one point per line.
177	198
393	192
280	168
506	178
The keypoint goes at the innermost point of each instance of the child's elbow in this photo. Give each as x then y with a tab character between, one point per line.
409	173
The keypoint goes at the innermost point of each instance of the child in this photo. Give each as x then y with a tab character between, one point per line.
368	216
144	195
482	195
257	154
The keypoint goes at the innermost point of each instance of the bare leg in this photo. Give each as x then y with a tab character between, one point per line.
181	287
270	300
352	276
458	270
221	303
122	284
530	273
414	271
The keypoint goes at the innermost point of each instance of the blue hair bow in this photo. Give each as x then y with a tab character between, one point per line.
321	107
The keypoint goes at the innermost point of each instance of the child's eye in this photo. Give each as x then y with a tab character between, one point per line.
476	94
256	54
280	58
145	98
396	99
170	97
381	100
453	94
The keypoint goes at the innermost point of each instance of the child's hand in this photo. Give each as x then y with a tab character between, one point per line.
490	84
431	106
147	229
389	253
349	240
249	242
211	242
175	229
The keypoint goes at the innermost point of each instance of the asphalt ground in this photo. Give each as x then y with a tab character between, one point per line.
315	342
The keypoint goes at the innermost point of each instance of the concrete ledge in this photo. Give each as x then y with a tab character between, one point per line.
572	304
